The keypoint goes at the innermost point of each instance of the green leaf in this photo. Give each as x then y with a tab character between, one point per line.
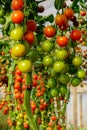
58	4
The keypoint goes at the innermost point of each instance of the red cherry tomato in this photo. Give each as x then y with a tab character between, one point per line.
75	35
49	31
17	4
62	41
31	25
17	17
29	37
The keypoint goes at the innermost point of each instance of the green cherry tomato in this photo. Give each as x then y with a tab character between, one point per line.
75	81
59	66
19	50
64	78
17	33
63	90
77	61
61	54
81	73
47	46
51	82
54	92
47	61
25	66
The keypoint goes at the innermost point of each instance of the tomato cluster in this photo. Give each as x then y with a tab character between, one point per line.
42	62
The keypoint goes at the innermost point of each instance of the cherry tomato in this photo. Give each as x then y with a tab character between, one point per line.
17	16
19	50
31	25
17	33
40	9
54	92
75	35
63	90
62	41
64	78
75	81
53	118
25	66
17	4
61	54
69	13
81	73
49	31
47	46
29	37
47	61
60	19
77	61
51	82
83	13
59	66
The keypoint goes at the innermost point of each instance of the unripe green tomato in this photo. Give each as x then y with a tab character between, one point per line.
25	66
17	33
59	66
81	73
47	61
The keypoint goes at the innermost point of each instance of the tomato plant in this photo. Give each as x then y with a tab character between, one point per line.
40	57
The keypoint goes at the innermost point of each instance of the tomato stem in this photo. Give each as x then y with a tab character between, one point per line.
27	104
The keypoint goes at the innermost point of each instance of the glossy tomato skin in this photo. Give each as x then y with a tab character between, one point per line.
31	25
69	13
25	66
59	66
29	37
19	50
49	31
83	13
62	41
17	16
17	33
47	61
75	35
77	61
60	19
17	4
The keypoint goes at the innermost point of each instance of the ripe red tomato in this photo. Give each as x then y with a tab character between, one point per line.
49	31
31	25
53	118
75	35
29	37
62	41
17	16
69	13
17	4
83	13
60	19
